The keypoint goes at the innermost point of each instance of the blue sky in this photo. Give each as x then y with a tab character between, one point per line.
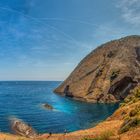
46	39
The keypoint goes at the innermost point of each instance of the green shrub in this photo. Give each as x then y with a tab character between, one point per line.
122	104
133	113
132	119
114	74
132	98
137	92
128	124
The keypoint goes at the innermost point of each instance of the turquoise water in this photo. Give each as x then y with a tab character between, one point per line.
24	99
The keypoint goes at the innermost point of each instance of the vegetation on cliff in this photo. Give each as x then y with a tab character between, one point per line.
132	118
128	115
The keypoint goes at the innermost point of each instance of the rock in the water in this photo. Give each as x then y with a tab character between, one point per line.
21	128
46	105
107	73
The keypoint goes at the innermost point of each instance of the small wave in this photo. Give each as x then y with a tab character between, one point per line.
13	118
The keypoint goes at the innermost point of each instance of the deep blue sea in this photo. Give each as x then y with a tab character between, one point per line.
24	99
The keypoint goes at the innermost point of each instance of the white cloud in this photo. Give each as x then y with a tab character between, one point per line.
130	10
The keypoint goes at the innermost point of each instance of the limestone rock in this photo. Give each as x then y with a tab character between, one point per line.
21	128
47	106
107	73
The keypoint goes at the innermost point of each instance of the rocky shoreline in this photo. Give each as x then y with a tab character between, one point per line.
107	74
111	73
123	124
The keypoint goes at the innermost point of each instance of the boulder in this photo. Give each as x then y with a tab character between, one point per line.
21	128
47	106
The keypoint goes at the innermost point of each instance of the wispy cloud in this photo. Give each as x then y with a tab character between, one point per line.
130	10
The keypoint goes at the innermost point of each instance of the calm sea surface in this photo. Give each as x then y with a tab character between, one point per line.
24	100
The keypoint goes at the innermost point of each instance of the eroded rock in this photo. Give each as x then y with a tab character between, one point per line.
112	69
21	128
47	106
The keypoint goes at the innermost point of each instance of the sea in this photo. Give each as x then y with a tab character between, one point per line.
24	100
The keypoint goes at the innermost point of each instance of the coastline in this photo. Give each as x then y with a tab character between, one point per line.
76	135
111	124
123	124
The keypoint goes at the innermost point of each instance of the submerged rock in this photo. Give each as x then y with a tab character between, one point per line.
47	106
107	74
21	128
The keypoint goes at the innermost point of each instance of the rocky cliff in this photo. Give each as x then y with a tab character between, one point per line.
107	73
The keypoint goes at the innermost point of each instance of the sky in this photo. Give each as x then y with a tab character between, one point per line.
46	39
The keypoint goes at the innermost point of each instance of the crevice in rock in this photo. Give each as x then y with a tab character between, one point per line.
121	89
138	53
110	54
92	86
67	91
88	73
100	97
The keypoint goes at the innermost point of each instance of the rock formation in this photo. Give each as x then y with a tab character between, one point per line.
107	73
47	106
21	128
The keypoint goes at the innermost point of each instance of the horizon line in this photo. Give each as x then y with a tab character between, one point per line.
31	80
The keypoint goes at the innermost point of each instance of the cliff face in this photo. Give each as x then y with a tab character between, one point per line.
107	73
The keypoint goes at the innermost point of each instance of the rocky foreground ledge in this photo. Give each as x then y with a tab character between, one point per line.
107	74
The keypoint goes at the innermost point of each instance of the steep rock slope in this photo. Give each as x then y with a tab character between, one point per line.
107	73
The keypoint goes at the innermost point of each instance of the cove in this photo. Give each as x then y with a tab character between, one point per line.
24	99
